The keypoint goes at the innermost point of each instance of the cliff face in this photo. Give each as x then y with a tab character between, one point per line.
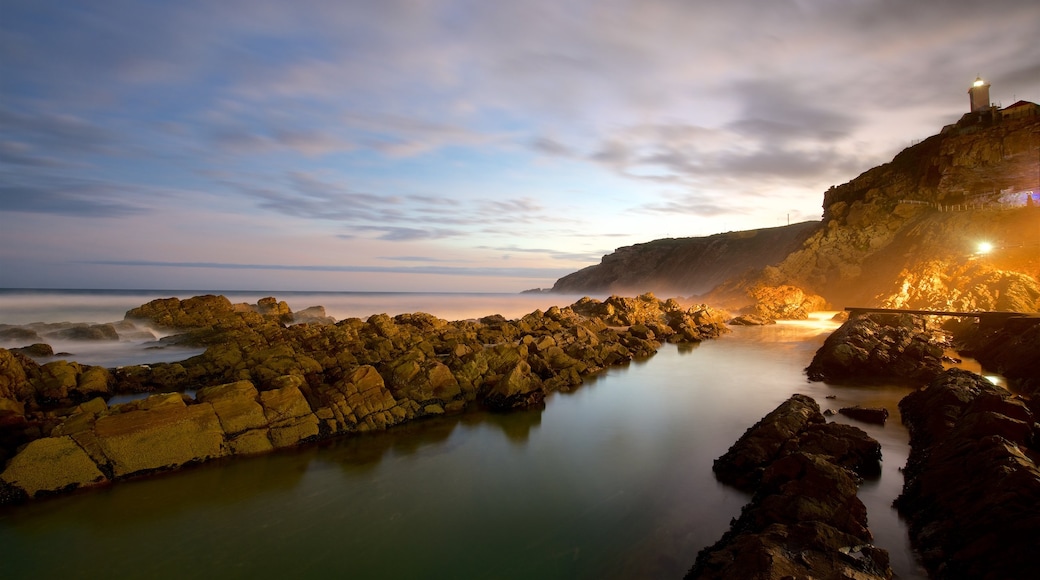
687	266
901	234
923	215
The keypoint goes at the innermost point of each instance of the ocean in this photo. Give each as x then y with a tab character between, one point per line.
612	480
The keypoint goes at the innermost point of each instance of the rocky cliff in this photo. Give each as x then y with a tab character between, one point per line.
687	266
904	234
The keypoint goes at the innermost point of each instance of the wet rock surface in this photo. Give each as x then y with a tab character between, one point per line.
876	415
264	384
804	520
890	346
1013	351
972	492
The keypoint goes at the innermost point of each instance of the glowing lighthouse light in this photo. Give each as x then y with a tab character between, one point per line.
979	82
985	247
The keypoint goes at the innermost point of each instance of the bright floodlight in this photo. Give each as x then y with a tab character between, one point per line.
985	247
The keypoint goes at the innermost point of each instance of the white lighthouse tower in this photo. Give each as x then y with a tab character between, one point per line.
978	95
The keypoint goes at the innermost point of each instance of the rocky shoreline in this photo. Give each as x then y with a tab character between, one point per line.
971	494
266	382
805	519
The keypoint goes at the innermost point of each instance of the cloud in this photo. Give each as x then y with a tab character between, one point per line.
404	234
483	271
550	147
70	199
553	254
54	133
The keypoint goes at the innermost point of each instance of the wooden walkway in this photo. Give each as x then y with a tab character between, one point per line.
987	319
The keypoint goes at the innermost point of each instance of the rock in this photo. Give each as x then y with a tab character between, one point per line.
880	346
971	495
18	335
262	384
173	313
784	302
236	405
39	350
313	315
70	381
86	332
14	381
518	388
289	416
50	465
804	520
751	320
743	464
866	414
796	425
1011	351
163	435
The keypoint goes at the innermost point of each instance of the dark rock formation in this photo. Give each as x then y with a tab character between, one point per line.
1013	351
797	425
805	520
866	414
39	349
85	332
262	385
897	346
18	335
972	491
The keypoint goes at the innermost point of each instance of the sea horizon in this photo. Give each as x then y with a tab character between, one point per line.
22	306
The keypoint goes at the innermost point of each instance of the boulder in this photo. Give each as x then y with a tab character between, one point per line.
784	302
18	335
804	520
289	415
236	405
163	434
743	464
873	346
173	313
866	414
751	320
91	332
313	315
518	388
40	350
50	465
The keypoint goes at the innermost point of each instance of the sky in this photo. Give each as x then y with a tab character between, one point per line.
453	145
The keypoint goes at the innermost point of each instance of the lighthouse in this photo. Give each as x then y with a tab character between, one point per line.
978	95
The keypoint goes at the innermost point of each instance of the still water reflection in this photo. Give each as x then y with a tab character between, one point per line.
610	481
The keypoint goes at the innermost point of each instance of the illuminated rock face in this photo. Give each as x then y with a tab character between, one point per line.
892	230
929	207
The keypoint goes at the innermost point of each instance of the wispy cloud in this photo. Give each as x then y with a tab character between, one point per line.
68	199
480	271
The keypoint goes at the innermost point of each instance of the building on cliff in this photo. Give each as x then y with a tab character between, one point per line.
984	113
978	95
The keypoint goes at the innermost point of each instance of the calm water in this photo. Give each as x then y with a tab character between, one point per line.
611	481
